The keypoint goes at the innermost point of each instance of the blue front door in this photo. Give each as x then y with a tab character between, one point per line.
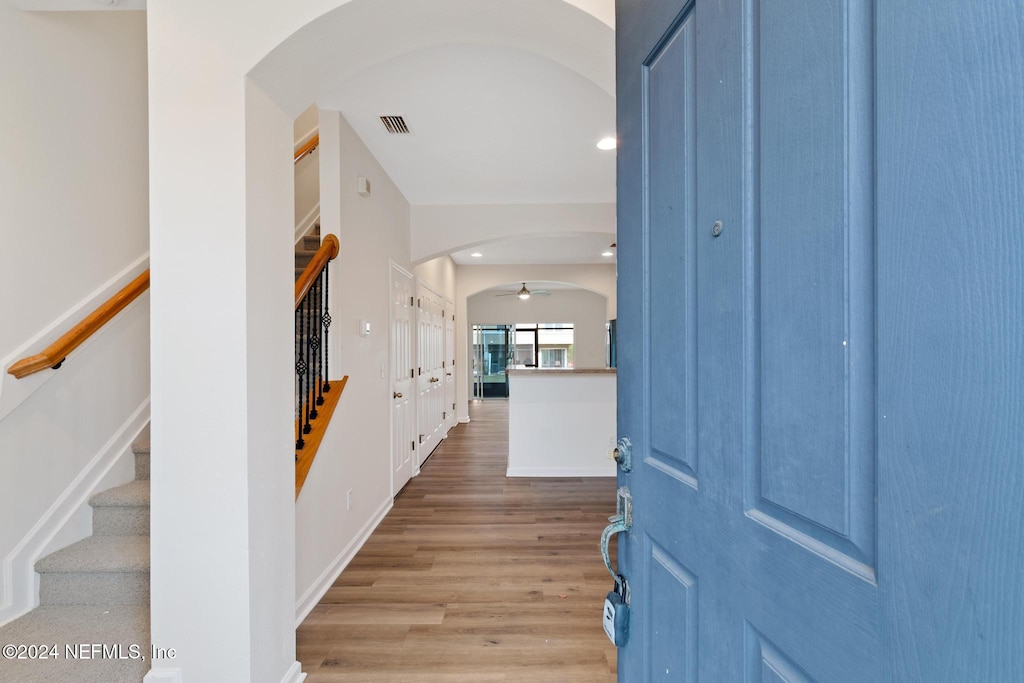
821	327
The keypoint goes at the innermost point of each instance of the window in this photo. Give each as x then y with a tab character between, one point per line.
553	358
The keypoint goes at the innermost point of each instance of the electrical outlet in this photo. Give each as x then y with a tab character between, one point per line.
348	500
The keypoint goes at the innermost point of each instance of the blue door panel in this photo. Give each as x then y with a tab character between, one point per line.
767	664
804	188
670	134
810	296
672	618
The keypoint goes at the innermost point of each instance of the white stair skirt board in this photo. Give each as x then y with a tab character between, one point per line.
19	575
164	676
307	222
14	391
323	583
294	674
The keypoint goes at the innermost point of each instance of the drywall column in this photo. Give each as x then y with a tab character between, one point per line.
223	586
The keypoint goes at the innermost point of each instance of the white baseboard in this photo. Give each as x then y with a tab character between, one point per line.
605	471
19	575
323	583
307	222
294	674
14	391
163	676
464	420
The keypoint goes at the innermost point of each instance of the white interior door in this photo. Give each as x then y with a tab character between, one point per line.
430	370
449	364
403	419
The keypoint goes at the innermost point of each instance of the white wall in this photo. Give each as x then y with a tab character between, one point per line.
372	231
440	274
473	279
73	220
586	310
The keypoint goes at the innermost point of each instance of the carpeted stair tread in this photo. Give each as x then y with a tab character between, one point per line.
97	554
133	494
63	625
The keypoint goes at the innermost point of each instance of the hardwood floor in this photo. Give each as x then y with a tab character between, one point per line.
472	577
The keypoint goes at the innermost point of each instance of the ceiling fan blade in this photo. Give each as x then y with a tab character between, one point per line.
540	292
508	294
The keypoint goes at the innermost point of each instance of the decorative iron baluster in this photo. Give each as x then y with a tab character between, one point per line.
300	372
307	315
319	330
314	346
327	327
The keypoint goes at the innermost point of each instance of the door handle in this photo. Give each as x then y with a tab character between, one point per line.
448	373
397	394
621	521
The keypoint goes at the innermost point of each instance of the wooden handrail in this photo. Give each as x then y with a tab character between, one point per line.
54	354
313	143
328	251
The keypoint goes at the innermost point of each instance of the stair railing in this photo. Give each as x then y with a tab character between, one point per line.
56	353
312	330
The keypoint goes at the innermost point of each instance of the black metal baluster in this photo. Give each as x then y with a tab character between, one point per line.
319	325
314	346
300	372
327	325
307	314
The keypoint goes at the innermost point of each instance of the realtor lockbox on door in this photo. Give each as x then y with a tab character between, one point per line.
616	613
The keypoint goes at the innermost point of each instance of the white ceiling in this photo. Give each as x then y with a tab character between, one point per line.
490	125
540	249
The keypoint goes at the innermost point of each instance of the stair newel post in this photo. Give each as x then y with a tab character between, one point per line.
327	326
300	377
308	316
319	326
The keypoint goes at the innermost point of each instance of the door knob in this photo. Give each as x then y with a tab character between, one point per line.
397	394
623	454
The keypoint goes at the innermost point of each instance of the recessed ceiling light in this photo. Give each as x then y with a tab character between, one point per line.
476	254
607	253
606	143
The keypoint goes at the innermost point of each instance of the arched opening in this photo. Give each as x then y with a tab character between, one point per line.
207	132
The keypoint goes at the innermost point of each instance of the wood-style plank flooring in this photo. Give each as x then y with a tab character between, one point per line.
472	577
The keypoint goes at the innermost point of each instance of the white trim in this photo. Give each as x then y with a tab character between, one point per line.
464	420
323	583
294	674
605	471
19	575
163	676
14	391
307	222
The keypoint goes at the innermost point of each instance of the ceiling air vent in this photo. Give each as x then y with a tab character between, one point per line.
395	125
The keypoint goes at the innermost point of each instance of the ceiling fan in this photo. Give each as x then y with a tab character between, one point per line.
524	293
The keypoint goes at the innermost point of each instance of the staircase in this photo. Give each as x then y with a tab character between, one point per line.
306	248
94	591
